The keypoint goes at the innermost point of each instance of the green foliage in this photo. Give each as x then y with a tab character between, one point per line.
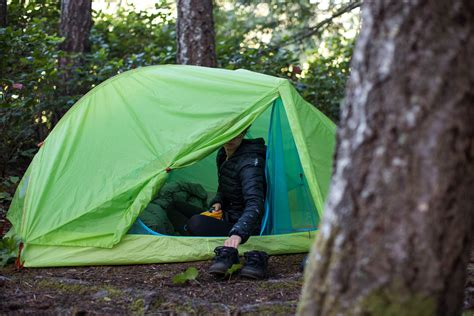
28	79
35	92
233	269
234	51
6	186
142	37
190	274
325	80
8	250
396	298
322	83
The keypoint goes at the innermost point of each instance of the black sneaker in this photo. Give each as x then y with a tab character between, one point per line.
224	259
256	263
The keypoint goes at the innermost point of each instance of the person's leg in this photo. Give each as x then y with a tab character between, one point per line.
200	225
179	213
184	208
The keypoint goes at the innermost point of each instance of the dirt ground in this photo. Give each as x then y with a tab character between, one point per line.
148	289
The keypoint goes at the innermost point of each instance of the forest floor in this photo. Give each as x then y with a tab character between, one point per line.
148	289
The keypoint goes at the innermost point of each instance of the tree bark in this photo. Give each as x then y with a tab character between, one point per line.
75	26
395	238
3	13
469	288
195	33
76	22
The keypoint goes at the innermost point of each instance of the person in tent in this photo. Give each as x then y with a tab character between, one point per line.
238	207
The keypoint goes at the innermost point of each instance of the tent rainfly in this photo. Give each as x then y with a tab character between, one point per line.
108	157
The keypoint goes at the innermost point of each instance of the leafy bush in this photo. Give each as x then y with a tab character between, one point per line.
8	250
5	186
34	93
28	81
325	80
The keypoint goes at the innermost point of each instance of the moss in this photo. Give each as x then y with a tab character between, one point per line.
179	308
283	285
398	300
156	303
287	308
184	307
78	288
138	307
113	292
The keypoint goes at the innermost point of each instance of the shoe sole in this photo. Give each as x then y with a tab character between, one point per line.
217	272
252	275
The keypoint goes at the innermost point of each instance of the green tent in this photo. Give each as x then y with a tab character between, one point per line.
111	153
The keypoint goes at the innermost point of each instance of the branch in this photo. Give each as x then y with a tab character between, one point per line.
317	28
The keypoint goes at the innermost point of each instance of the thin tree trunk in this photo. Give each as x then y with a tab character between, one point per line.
395	238
75	25
3	13
76	22
195	33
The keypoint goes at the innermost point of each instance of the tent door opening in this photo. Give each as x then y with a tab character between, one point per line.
288	205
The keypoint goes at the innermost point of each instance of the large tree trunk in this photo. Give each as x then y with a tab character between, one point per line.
469	289
195	33
76	22
396	235
3	13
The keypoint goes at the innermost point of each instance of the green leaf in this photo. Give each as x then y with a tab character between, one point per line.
189	275
5	196
14	179
235	267
8	247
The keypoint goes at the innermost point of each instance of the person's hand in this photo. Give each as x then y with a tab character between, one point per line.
233	241
217	206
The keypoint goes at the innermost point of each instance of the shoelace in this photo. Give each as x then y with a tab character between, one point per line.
221	254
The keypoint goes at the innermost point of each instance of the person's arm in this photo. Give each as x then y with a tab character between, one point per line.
252	177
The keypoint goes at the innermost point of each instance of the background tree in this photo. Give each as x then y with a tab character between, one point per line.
3	13
75	25
396	234
195	33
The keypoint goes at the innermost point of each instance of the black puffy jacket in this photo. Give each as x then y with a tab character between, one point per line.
242	187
